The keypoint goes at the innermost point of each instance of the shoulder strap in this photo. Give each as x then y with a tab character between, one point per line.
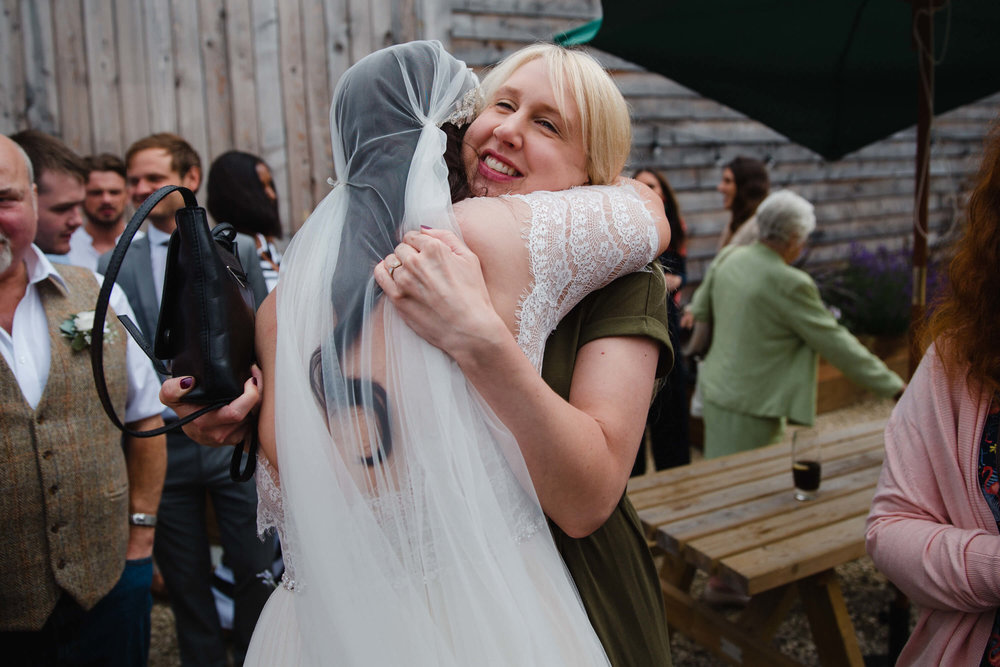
101	312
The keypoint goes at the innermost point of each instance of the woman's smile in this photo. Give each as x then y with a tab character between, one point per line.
525	139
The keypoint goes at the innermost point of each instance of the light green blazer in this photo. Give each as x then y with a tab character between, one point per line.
769	326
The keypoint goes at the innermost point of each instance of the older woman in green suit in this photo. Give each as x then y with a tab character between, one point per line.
769	328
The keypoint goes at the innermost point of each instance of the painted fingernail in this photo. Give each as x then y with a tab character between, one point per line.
424	227
187	382
254	381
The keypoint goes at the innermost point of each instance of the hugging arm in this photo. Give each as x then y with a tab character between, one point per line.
504	263
579	452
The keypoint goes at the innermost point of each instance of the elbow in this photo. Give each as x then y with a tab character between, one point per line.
579	529
582	522
663	231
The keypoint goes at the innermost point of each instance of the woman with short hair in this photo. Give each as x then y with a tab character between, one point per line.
761	368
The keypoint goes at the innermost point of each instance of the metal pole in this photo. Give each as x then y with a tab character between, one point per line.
923	39
923	42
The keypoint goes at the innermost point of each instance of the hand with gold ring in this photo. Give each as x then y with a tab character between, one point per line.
393	265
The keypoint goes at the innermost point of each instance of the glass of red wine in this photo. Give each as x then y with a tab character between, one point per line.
807	464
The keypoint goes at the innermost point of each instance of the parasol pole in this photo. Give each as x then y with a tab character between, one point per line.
923	42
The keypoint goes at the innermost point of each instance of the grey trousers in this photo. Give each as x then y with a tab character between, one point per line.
196	473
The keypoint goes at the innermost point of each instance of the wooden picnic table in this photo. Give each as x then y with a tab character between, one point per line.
735	517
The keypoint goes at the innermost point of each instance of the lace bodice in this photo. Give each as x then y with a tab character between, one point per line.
578	241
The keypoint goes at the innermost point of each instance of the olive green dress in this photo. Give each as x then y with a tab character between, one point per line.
612	567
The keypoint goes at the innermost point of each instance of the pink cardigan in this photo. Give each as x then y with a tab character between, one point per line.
930	530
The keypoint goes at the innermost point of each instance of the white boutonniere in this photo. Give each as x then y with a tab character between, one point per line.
79	329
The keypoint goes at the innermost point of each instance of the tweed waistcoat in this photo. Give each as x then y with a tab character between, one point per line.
64	498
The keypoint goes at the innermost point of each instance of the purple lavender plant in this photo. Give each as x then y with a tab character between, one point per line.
872	290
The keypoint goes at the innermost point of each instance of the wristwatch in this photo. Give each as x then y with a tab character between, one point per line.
142	519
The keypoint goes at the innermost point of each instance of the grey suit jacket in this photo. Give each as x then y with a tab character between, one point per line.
136	278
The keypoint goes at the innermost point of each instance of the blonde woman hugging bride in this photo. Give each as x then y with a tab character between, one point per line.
438	380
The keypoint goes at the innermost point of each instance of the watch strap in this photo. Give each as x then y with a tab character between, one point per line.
142	519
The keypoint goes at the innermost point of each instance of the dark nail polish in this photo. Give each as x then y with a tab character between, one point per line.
187	382
254	380
424	227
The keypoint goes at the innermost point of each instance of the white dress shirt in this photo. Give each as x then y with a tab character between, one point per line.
28	353
82	251
158	257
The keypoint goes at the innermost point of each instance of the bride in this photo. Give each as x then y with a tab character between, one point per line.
410	526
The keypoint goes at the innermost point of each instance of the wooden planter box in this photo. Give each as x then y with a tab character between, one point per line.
835	391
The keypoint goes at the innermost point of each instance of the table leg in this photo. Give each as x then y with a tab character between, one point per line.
766	611
832	629
677	572
711	629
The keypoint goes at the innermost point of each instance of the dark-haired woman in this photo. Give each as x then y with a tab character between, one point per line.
668	414
744	185
933	527
241	192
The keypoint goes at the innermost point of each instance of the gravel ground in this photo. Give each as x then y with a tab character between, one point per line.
867	595
866	592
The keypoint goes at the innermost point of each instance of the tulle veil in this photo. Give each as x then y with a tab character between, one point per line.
409	517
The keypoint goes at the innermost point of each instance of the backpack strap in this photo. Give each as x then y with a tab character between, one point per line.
101	313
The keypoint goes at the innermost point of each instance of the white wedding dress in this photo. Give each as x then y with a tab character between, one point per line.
410	530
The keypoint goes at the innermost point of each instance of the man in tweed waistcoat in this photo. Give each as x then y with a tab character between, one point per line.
75	572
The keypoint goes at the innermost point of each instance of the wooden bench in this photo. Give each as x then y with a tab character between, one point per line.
735	517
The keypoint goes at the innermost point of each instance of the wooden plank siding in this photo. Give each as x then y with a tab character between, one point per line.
866	197
258	75
131	62
102	73
71	73
13	96
41	96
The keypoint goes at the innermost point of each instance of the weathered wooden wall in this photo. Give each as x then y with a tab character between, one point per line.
867	196
258	75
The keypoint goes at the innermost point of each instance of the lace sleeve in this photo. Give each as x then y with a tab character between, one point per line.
579	240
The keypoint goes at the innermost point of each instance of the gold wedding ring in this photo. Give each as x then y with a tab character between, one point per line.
393	268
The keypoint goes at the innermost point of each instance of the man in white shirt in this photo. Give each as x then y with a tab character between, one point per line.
79	501
103	210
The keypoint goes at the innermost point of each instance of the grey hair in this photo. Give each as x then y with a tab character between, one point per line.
784	216
27	161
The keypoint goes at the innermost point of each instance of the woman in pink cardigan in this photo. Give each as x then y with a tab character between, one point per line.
933	523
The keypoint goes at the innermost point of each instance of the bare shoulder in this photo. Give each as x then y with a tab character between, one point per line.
492	225
503	210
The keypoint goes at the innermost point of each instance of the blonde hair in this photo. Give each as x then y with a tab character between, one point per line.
604	115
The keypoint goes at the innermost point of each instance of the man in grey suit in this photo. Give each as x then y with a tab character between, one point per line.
193	471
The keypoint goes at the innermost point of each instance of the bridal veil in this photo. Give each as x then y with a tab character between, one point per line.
410	522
